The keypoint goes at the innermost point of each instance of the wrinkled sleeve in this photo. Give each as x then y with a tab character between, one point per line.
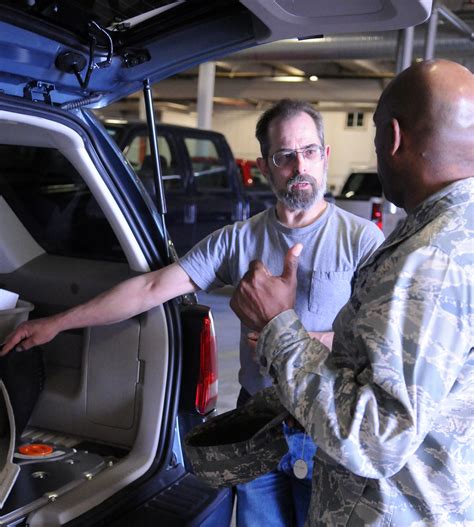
208	262
370	403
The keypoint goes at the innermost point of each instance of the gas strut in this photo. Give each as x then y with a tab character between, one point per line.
157	175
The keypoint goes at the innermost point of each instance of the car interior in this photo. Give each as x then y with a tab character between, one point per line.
104	388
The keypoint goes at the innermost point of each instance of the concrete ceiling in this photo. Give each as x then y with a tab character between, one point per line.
351	70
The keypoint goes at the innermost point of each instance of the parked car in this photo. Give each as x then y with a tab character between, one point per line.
362	195
202	186
75	219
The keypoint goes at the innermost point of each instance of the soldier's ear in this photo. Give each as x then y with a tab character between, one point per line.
396	137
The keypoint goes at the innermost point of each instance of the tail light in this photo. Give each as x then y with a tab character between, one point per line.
377	215
207	385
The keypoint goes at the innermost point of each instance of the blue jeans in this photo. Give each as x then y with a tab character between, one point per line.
279	499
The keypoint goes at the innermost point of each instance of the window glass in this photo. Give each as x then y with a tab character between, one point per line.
139	155
54	204
209	169
362	184
355	120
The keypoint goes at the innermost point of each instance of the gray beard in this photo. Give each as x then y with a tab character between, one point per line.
295	199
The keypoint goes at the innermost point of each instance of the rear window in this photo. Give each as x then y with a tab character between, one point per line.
208	167
139	155
362	184
54	204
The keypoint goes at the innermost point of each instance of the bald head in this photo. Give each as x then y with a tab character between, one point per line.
432	102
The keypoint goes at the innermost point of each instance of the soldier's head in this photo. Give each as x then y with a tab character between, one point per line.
425	131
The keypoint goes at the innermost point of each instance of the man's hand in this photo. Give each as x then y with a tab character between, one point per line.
29	334
260	296
325	337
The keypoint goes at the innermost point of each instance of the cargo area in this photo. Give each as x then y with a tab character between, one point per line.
99	408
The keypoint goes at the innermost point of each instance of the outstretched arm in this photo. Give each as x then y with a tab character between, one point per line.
125	300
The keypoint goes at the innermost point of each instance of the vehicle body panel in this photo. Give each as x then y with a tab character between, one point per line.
362	195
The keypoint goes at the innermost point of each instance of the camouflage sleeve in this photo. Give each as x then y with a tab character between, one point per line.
398	350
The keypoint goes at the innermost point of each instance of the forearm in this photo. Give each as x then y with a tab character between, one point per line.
123	301
127	299
119	303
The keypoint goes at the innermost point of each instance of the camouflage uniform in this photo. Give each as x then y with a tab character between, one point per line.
391	407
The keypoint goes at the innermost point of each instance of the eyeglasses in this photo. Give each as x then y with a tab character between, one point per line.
285	158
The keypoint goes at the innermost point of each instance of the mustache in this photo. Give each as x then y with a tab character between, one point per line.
298	178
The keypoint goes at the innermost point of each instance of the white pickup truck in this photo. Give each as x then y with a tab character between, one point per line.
362	195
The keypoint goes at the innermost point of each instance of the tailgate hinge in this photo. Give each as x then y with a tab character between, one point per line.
38	91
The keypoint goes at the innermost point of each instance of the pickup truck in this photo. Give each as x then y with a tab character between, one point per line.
202	182
363	196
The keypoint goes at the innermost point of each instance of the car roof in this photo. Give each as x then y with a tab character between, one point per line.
99	52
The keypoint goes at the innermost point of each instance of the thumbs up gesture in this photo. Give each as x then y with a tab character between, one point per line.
260	296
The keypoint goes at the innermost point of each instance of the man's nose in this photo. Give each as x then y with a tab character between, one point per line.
300	161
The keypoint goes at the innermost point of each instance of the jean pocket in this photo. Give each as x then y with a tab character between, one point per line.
330	290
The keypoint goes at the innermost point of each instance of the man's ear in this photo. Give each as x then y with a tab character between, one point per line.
327	154
396	136
262	165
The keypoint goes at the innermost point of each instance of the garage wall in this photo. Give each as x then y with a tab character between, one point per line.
351	148
180	118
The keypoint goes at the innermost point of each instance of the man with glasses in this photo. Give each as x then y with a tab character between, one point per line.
295	162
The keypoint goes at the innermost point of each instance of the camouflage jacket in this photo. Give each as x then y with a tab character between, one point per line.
391	408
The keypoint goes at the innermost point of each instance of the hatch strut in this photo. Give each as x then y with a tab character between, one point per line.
155	156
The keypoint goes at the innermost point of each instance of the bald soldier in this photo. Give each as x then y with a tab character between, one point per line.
391	408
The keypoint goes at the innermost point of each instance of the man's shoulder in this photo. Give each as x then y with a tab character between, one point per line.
227	236
356	224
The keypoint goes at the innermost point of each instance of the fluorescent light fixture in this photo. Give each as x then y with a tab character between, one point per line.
131	22
284	78
116	121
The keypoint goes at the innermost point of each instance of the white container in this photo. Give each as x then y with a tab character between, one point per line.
11	318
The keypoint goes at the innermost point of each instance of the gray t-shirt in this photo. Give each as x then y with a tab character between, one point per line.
333	247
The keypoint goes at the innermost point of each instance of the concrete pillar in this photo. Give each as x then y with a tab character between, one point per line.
206	80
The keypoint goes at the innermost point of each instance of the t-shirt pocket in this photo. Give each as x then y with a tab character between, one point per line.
330	290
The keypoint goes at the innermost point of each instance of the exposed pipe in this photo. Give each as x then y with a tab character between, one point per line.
456	22
431	31
351	47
